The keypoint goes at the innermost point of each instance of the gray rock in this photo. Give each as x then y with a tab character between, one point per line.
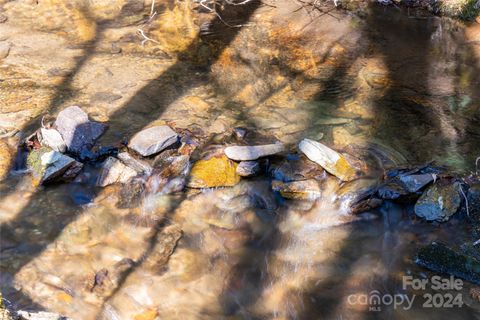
49	165
138	165
240	133
439	202
415	182
153	140
248	168
4	49
53	139
114	171
329	159
78	132
248	153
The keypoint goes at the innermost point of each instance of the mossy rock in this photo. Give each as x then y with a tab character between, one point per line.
213	172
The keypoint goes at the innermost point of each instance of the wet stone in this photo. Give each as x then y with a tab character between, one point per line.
49	165
140	166
52	138
239	133
439	202
329	159
305	189
78	132
295	169
3	18
248	168
114	171
248	153
440	258
153	140
105	97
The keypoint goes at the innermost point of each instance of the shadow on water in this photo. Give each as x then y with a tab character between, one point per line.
31	226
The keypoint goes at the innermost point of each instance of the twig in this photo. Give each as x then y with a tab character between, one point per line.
152	8
146	39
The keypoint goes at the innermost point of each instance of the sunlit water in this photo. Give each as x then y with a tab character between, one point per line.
390	87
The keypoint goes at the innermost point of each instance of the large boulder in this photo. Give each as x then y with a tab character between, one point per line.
439	202
78	132
213	172
329	159
153	140
249	153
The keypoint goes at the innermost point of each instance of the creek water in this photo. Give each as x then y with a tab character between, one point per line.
392	86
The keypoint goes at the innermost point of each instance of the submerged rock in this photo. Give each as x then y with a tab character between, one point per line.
153	140
329	159
305	189
78	132
248	153
296	169
114	171
170	177
439	258
439	202
4	49
248	168
359	195
213	172
49	165
53	139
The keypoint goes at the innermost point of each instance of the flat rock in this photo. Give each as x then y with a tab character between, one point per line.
49	165
249	153
305	189
4	49
140	166
439	202
213	172
42	315
78	132
153	140
53	139
329	159
114	171
248	168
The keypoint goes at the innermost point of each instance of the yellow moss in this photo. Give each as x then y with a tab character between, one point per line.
344	170
64	297
214	172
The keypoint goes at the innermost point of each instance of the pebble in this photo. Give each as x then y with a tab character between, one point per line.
248	168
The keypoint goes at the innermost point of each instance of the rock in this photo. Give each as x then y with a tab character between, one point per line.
114	171
248	168
165	244
240	133
170	177
3	18
305	189
106	280
53	139
439	258
332	161
78	132
297	169
439	202
359	195
6	157
4	49
153	140
138	165
416	182
50	166
213	172
473	196
248	153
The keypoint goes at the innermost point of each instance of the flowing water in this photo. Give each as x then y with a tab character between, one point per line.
393	86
